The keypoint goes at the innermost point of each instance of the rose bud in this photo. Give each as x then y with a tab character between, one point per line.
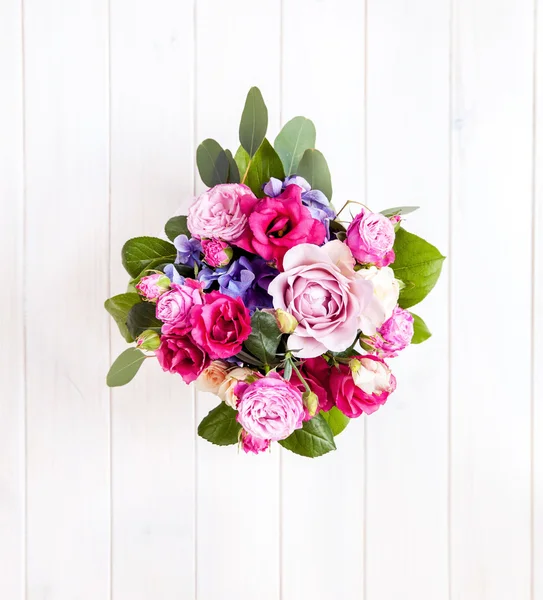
211	378
148	340
153	286
216	253
311	402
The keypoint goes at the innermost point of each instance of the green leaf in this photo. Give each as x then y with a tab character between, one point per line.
336	420
297	136
421	331
315	438
119	307
265	165
220	426
254	122
247	358
212	163
142	317
146	253
177	226
287	373
418	264
233	171
314	168
265	337
125	367
399	210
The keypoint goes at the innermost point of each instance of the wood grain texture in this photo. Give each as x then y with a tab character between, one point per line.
408	130
66	83
12	368
238	495
152	154
490	403
323	498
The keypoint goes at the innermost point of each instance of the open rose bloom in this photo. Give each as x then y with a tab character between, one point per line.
287	310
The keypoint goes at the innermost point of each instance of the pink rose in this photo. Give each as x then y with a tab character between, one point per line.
220	325
370	237
179	354
278	224
394	335
362	386
321	290
153	286
252	444
216	253
217	212
316	372
174	308
270	408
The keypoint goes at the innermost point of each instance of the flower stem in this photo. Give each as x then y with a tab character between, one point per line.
300	377
247	170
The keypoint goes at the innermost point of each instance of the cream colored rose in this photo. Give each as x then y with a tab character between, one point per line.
227	387
211	378
371	375
386	291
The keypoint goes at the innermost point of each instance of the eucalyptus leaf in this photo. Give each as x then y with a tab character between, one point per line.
265	165
142	317
212	163
314	168
420	330
233	171
399	210
254	122
177	226
220	427
314	439
118	307
417	264
336	420
293	140
146	253
264	338
125	367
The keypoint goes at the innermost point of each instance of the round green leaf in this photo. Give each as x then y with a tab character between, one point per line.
146	253
233	171
314	168
254	122
264	338
314	439
399	210
142	317
212	163
336	420
125	367
177	226
420	330
293	140
119	307
265	165
220	427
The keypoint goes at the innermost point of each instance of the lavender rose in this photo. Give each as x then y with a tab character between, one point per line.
217	213
394	335
324	294
174	307
269	408
370	237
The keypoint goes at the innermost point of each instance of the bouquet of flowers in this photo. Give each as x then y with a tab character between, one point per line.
267	297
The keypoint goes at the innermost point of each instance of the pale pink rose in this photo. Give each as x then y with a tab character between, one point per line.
174	307
370	237
386	291
269	408
211	378
217	212
252	444
153	286
394	335
226	391
324	294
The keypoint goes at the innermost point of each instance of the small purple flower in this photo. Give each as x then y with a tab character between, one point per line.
188	251
173	275
238	279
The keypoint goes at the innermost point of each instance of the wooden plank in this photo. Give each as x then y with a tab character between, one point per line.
12	385
152	153
323	499
491	236
407	440
238	495
66	280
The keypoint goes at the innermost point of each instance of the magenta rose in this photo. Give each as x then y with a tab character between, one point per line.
217	213
394	335
153	286
278	224
174	307
362	386
370	237
220	325
316	372
216	252
252	444
269	408
324	294
179	354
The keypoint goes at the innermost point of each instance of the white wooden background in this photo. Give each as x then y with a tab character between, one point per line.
110	495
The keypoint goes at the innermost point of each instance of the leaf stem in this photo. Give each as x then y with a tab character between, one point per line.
300	377
247	170
347	204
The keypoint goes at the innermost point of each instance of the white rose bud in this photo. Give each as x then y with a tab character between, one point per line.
386	290
371	375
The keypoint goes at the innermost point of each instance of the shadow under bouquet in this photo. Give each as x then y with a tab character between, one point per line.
267	297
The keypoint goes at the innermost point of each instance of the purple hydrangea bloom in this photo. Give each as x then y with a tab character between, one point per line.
188	251
173	275
315	200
